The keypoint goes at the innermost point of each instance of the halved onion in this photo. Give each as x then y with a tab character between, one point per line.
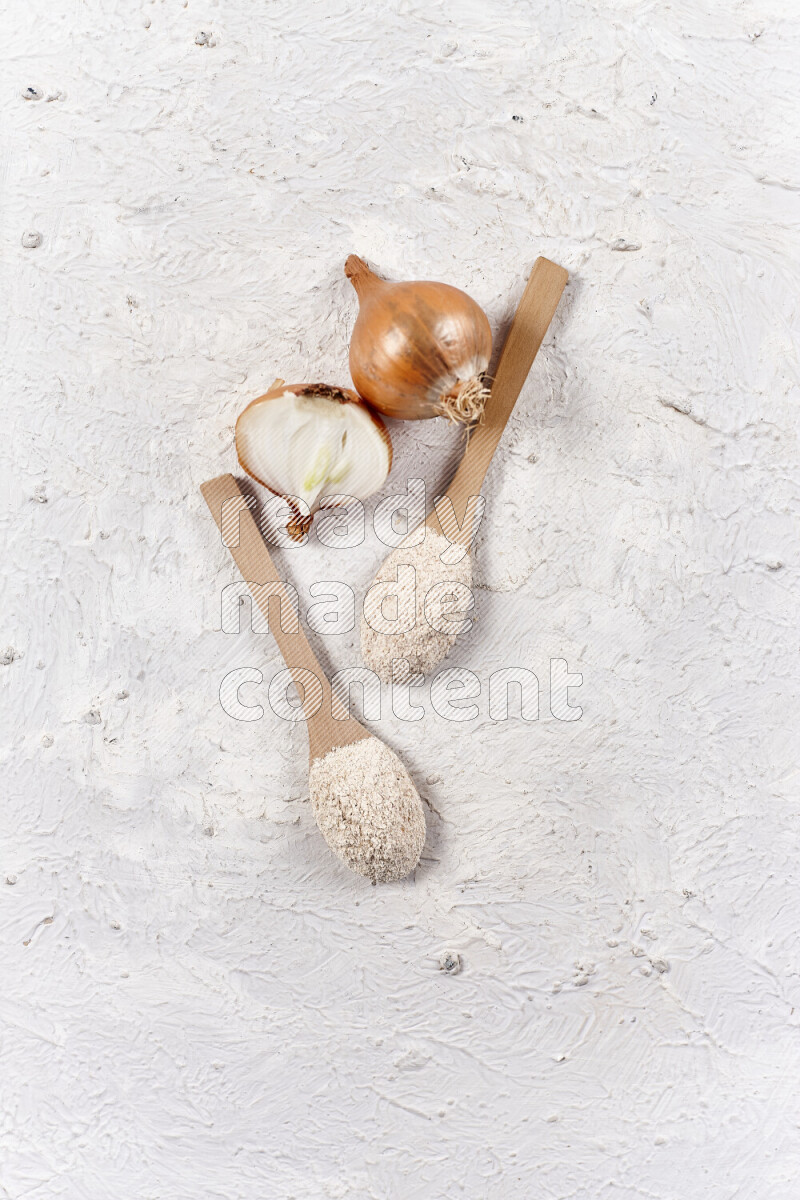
311	441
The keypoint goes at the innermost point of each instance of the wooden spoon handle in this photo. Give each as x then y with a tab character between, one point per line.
328	722
241	535
531	320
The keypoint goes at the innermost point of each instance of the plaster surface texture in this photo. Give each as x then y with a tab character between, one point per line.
198	1001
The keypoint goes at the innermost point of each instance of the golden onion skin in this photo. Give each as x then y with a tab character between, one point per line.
418	350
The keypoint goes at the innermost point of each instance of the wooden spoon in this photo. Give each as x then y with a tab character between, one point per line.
377	825
415	651
531	320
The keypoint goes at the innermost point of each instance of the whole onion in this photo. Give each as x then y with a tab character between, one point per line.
418	350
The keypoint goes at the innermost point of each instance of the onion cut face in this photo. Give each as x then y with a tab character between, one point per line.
313	442
418	350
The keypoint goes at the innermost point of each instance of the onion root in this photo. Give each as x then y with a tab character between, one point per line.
464	403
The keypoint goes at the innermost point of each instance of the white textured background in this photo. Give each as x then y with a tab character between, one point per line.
197	1002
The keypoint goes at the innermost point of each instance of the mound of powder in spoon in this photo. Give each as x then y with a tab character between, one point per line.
430	596
368	810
